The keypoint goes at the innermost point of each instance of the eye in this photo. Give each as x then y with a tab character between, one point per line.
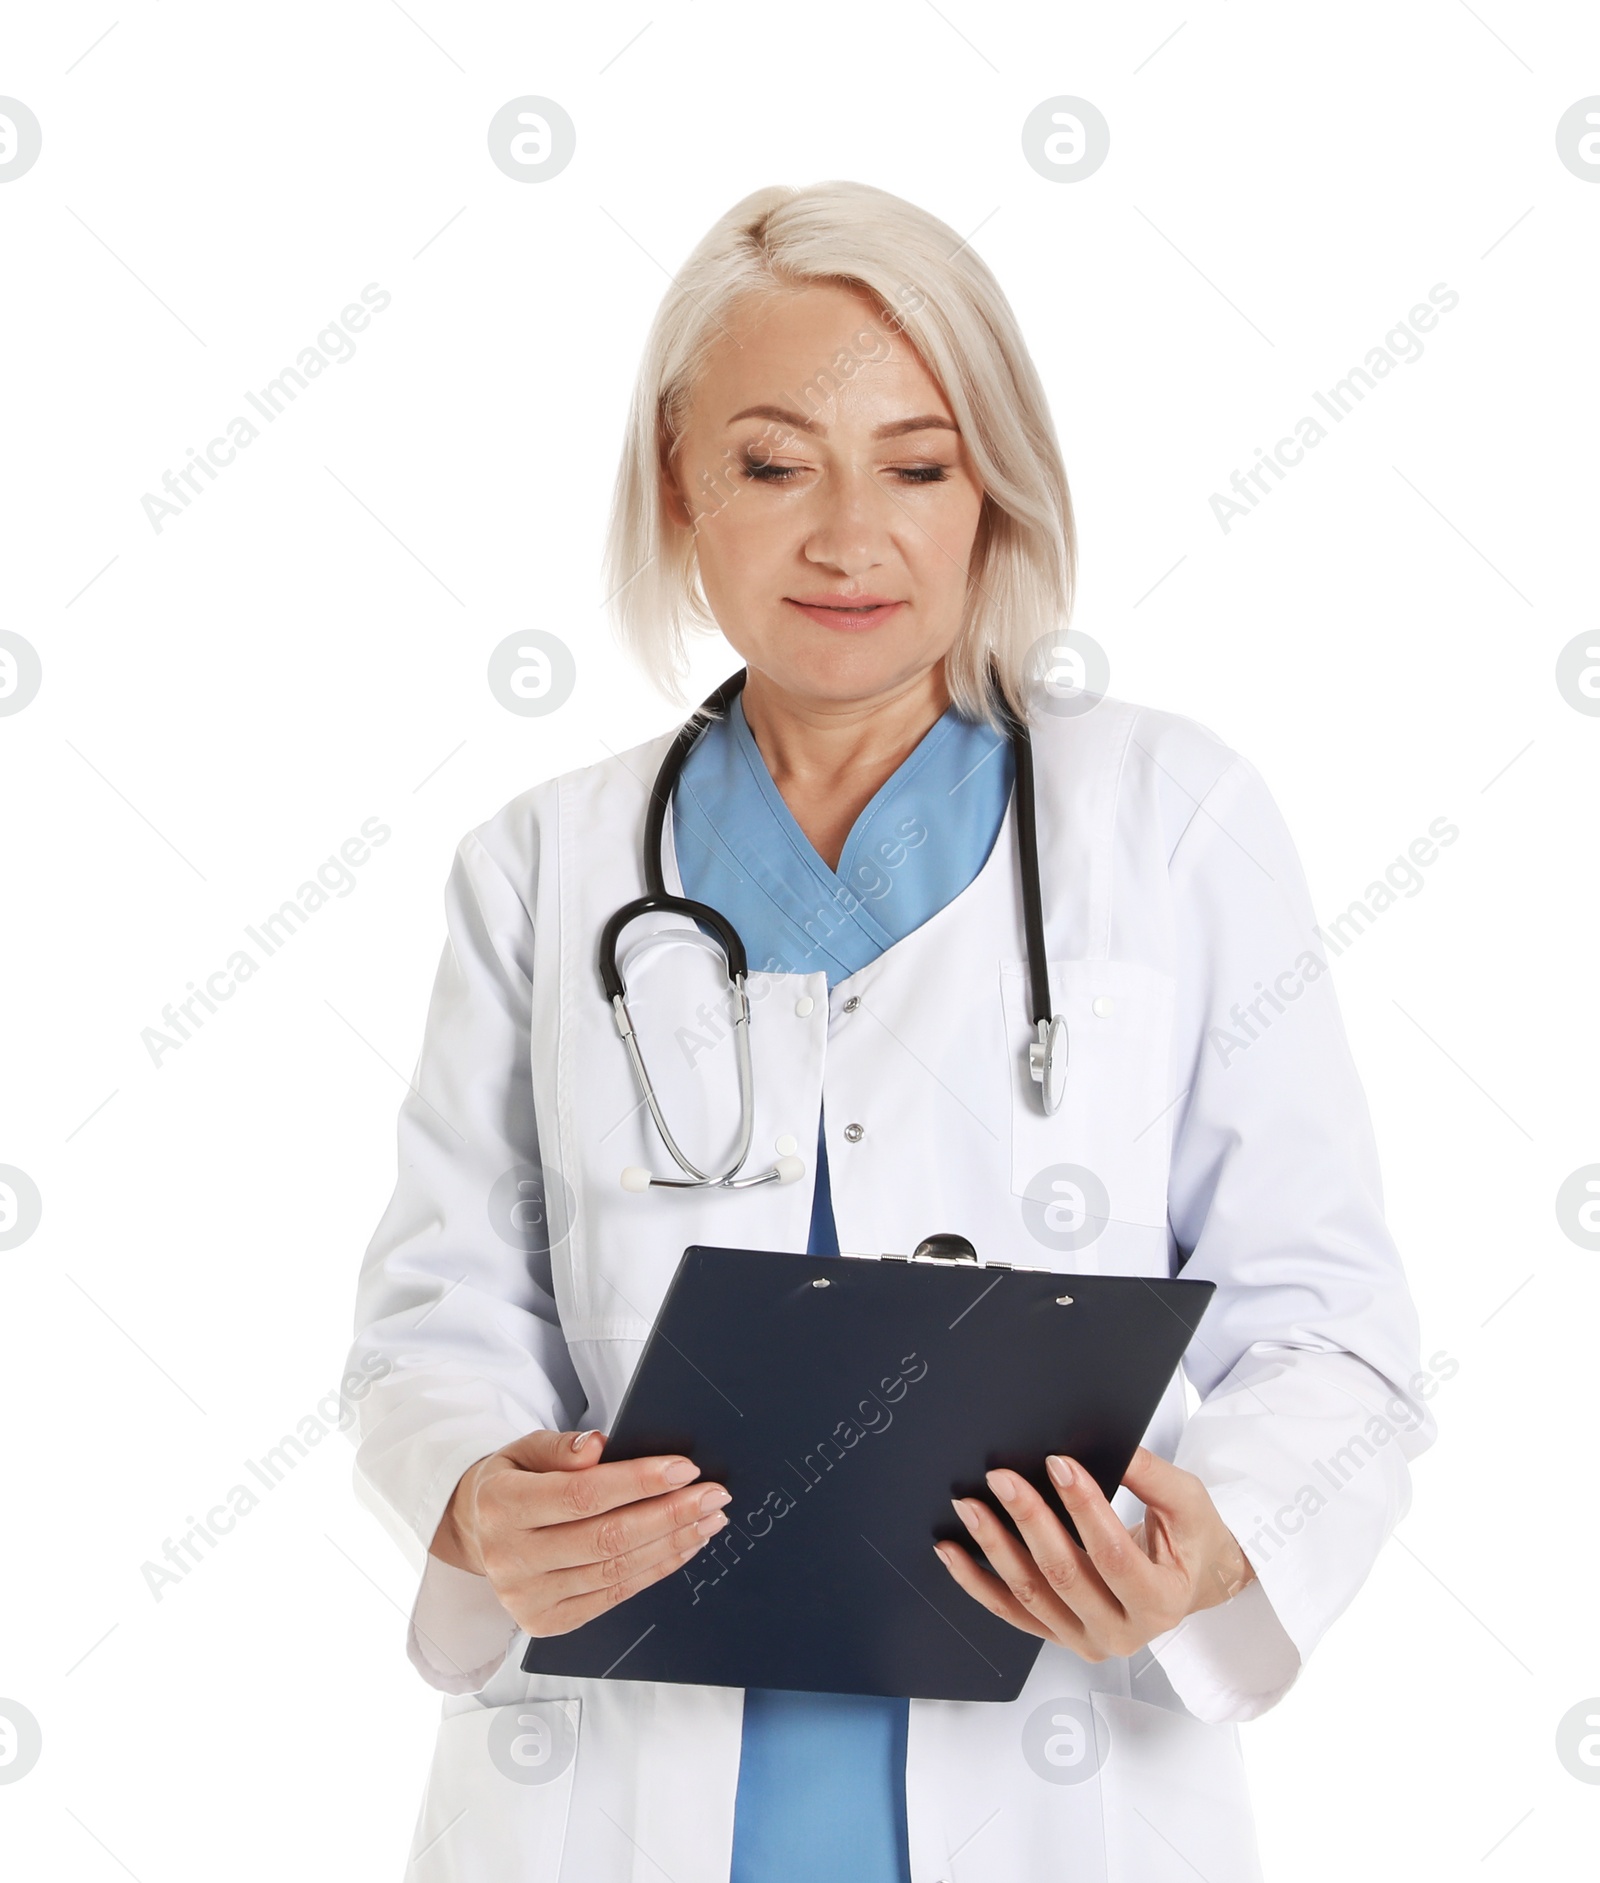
757	468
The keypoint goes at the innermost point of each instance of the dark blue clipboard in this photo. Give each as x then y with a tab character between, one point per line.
843	1402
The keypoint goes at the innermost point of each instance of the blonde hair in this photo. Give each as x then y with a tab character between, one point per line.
927	283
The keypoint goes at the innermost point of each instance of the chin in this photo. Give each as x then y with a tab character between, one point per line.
839	667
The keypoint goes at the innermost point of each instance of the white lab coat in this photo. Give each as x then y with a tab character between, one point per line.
1172	896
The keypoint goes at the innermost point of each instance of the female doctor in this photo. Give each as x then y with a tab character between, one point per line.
840	454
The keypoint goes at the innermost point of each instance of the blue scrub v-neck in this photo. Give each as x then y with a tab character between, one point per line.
918	843
822	1776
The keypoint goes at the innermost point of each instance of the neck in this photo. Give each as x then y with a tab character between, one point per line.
829	758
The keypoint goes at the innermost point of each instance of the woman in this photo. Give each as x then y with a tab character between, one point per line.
840	454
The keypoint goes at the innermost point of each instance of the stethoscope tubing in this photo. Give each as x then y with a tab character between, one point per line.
658	899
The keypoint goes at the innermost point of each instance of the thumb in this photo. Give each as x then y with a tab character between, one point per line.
555	1451
1157	1482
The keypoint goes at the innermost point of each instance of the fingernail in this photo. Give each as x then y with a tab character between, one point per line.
1002	1486
681	1473
941	1550
714	1500
1060	1472
964	1514
709	1526
580	1439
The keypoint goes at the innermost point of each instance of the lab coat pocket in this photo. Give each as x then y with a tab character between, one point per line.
498	1794
1174	1798
1101	1157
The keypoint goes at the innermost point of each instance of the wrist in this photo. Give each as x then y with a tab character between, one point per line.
456	1539
1231	1573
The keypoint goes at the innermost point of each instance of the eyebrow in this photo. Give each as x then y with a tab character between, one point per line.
897	428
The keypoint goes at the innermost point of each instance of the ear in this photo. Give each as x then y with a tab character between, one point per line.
674	505
672	500
983	535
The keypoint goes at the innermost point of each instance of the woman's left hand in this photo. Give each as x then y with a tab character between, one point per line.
1125	1586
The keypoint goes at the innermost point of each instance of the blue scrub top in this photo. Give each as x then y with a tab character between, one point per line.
919	842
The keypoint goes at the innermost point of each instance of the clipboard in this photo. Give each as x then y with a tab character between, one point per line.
844	1401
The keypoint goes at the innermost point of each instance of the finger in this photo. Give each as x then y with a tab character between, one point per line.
530	1499
1060	1586
993	1593
1185	1531
1067	1571
619	1532
1160	1484
555	1451
672	1547
1123	1567
575	1610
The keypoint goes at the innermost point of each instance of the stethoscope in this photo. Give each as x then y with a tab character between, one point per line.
1047	1053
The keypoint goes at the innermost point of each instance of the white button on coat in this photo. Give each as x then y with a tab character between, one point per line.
804	1005
1102	1007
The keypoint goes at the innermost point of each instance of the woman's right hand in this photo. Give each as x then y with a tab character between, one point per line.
561	1536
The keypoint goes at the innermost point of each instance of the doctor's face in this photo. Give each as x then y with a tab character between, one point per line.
834	506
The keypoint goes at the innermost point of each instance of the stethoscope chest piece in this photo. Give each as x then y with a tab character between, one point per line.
1047	1061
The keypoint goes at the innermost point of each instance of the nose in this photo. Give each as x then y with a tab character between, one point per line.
852	523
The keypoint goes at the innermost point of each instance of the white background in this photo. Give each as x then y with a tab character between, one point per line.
226	701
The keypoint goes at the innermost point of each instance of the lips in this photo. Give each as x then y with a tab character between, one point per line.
850	613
